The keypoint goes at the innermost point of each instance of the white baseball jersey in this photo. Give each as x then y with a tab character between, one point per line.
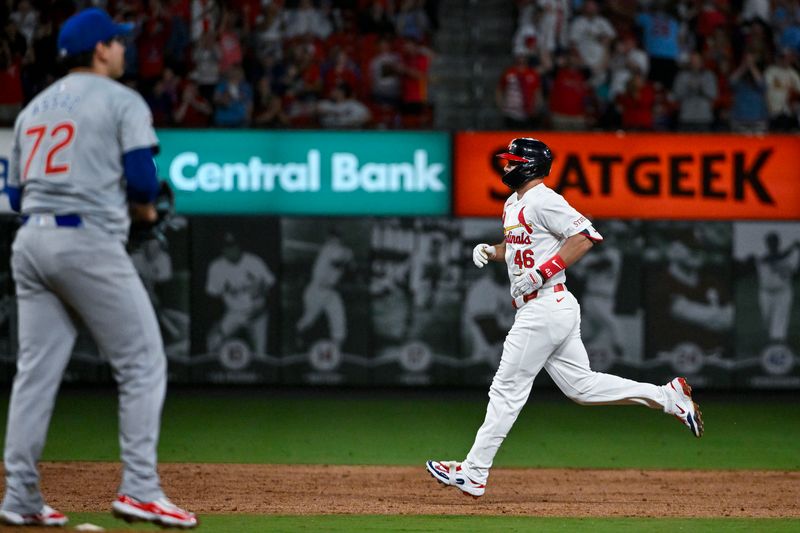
240	284
68	147
535	228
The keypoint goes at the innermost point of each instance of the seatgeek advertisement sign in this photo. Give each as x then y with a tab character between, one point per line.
643	176
307	173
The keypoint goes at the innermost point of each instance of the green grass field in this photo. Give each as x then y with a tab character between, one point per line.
406	427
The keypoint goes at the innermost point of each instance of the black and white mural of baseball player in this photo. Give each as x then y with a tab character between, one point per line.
767	258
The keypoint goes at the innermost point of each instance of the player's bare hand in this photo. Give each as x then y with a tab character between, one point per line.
482	253
143	213
526	282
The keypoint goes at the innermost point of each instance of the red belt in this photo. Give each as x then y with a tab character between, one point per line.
558	287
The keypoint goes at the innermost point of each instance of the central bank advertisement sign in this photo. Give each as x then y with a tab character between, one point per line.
308	173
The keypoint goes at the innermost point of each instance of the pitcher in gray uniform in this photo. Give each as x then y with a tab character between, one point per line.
81	167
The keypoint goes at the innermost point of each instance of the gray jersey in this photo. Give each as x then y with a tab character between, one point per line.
68	147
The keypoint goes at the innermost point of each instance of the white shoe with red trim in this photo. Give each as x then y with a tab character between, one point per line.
683	407
162	512
450	473
46	517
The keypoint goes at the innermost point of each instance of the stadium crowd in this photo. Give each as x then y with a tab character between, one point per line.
688	65
244	63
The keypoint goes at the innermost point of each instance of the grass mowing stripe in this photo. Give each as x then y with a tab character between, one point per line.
337	429
349	523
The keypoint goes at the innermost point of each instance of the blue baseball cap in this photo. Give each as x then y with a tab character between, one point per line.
83	30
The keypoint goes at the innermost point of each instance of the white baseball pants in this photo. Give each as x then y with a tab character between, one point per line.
546	333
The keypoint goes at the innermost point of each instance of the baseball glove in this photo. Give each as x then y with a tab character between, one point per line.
145	230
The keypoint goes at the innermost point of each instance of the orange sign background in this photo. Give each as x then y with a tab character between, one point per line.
645	176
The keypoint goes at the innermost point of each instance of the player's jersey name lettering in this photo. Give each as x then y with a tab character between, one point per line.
517	239
346	171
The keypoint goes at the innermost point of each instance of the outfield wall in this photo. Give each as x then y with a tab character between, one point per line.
384	293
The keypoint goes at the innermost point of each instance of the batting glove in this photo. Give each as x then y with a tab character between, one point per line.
482	253
526	282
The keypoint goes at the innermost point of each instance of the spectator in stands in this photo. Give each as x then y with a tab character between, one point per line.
177	47
753	10
307	20
340	70
248	11
164	98
722	104
636	103
571	94
626	58
411	21
749	112
269	31
26	18
270	67
591	34
415	72
268	108
342	110
710	19
621	14
17	45
696	89
525	42
783	89
664	109
384	74
756	38
230	44
152	45
376	20
206	57
233	99
301	84
786	21
661	37
11	82
527	11
193	111
519	95
718	48
205	16
553	27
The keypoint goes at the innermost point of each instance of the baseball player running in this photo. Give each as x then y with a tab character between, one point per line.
82	157
543	236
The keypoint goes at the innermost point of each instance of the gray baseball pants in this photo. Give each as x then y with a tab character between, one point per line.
60	274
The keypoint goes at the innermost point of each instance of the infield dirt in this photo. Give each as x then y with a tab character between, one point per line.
393	490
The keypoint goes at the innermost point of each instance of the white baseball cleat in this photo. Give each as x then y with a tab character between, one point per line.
449	473
46	517
162	512
683	407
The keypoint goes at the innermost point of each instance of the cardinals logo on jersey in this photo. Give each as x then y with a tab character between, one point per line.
523	238
517	239
521	218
